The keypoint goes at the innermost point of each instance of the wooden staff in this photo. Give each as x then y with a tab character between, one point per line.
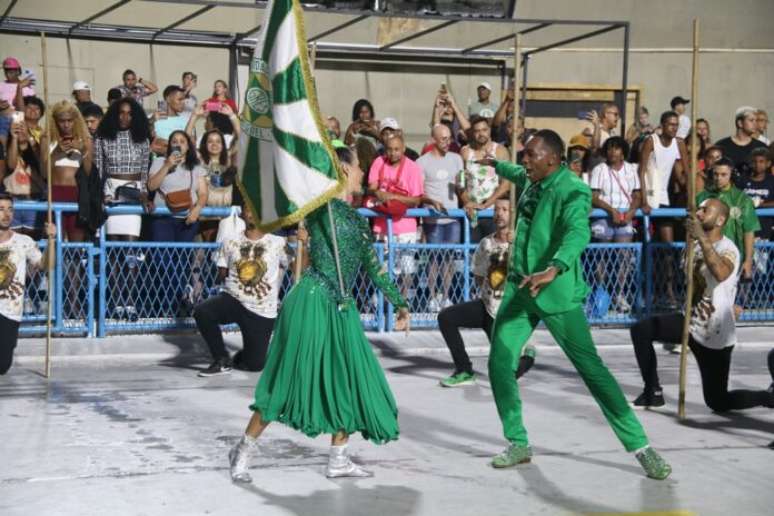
515	122
301	225
692	210
51	246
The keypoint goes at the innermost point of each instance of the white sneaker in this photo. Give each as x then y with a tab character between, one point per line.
434	306
622	304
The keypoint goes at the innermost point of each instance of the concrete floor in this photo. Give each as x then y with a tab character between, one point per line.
135	434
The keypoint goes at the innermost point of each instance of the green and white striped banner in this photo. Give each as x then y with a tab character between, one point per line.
287	165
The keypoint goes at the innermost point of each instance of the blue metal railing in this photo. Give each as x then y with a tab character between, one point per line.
162	281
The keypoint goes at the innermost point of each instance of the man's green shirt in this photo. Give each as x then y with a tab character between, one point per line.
552	229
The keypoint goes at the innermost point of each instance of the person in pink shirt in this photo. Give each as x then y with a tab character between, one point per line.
394	177
12	93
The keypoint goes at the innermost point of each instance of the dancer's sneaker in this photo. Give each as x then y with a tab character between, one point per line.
434	305
218	367
653	464
673	349
622	305
239	460
340	465
649	399
131	314
458	379
513	455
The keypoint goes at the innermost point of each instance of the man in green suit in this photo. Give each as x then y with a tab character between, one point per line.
545	282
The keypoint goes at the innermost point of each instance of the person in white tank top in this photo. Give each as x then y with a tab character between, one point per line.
661	154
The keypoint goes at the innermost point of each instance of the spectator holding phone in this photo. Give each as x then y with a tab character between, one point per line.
169	118
223	120
364	125
181	185
137	88
447	112
189	100
605	124
12	93
220	96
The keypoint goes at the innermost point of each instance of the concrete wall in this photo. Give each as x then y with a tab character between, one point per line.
737	68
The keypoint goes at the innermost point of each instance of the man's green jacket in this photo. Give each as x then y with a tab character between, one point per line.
552	228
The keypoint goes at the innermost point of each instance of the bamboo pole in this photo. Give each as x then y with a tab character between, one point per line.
51	245
515	122
692	210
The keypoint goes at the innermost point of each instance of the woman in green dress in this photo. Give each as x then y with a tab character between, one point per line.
321	374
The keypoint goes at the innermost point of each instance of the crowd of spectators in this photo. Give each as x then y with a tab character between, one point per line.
159	156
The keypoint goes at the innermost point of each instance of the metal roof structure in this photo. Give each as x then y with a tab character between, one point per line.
337	33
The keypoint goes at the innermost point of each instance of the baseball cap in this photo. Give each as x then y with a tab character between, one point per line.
678	100
485	85
579	140
389	123
81	85
10	63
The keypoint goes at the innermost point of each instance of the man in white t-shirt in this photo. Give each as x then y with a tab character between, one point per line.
490	268
253	266
19	256
712	329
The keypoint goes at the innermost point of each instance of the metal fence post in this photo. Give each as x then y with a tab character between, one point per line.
391	267
90	293
58	287
103	280
466	258
648	258
380	322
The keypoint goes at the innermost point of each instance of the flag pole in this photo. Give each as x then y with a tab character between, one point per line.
515	122
689	255
302	225
51	244
334	237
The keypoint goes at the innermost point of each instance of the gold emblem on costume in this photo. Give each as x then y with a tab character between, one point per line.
735	212
9	288
251	269
498	270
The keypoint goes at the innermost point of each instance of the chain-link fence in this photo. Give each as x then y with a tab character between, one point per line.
126	287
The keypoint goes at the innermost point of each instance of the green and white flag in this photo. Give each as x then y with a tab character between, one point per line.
287	165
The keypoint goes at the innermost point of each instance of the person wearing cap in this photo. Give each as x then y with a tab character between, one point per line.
82	96
388	128
484	107
12	93
739	147
678	105
578	156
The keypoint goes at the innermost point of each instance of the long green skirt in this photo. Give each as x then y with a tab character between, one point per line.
321	375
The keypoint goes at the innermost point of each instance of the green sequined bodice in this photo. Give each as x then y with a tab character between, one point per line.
355	242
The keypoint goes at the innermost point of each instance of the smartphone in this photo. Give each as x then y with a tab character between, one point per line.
583	115
212	105
18	117
161	105
176	151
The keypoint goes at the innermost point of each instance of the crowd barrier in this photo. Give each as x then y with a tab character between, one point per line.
96	281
